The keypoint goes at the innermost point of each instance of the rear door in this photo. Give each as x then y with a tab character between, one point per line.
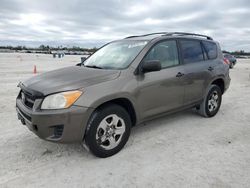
163	90
197	68
211	52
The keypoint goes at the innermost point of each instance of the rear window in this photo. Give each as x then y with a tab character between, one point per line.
211	49
191	51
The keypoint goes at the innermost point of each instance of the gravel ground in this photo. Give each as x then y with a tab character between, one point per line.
180	150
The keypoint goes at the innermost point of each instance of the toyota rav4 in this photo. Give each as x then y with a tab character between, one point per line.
124	83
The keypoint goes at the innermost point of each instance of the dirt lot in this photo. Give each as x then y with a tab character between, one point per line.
180	150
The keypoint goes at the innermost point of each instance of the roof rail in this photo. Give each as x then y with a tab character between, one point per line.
191	34
158	33
171	34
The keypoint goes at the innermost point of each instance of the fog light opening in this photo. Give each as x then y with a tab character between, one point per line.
58	131
35	127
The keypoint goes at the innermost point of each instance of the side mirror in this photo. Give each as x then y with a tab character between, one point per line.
82	61
151	66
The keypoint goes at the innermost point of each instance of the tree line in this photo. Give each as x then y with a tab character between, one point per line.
47	48
238	53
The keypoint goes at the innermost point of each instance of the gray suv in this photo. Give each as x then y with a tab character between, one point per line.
124	83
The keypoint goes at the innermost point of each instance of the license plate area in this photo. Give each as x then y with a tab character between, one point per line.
20	117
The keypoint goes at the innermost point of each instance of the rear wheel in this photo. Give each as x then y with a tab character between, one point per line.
108	130
231	65
211	103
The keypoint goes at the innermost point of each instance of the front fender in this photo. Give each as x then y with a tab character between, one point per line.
96	95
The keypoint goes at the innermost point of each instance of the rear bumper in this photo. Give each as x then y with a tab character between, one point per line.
65	125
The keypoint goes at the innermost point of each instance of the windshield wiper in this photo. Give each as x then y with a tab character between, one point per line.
93	66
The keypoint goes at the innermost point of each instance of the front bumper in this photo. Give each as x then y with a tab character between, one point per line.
64	125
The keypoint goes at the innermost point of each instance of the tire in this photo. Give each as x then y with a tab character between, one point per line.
108	130
210	105
231	65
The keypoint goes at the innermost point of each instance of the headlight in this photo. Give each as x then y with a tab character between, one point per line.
60	100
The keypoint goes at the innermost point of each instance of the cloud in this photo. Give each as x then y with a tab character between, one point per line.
93	22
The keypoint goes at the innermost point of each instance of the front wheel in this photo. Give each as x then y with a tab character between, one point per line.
108	130
211	103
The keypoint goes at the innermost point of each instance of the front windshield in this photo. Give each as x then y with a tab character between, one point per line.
116	55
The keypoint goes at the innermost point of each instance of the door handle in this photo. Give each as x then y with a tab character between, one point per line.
179	74
210	68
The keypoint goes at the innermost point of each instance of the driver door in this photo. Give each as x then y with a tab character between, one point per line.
161	91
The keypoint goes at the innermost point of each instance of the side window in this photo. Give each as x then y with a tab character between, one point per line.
191	51
211	49
166	52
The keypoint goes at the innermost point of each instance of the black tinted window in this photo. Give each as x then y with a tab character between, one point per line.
211	49
165	52
191	51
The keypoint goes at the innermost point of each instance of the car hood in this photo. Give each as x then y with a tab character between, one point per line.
69	78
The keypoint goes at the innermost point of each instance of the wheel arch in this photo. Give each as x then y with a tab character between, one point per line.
220	83
125	103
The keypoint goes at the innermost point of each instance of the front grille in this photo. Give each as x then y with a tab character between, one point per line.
27	98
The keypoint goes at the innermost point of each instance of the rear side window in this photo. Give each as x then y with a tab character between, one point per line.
211	49
191	51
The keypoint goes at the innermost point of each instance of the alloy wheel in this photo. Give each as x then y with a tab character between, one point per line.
110	131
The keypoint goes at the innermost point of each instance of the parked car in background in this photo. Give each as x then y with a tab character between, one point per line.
124	83
231	59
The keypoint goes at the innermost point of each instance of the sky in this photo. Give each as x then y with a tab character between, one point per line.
91	23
